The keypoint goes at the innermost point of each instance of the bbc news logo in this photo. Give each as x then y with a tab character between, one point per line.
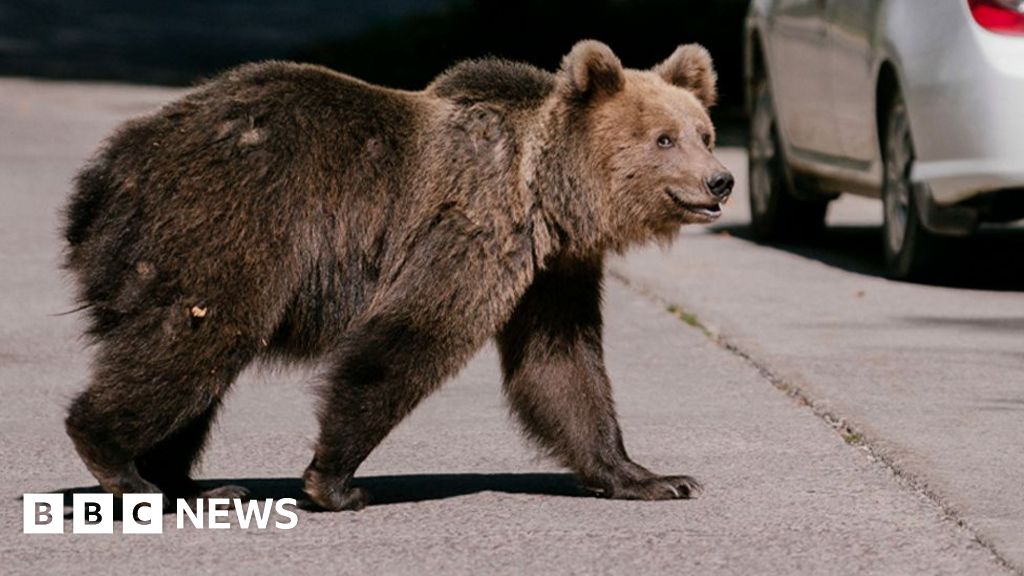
143	514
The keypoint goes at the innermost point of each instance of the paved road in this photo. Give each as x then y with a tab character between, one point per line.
929	378
463	493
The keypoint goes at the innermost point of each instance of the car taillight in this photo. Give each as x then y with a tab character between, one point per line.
1001	16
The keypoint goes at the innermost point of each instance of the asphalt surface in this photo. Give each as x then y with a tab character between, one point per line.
742	394
930	378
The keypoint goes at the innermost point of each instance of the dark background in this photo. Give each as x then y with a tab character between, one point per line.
399	43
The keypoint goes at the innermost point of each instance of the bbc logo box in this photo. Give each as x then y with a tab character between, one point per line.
44	513
93	514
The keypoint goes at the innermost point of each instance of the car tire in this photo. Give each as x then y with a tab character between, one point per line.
911	251
776	214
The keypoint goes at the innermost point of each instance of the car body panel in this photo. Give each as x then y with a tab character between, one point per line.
798	38
965	91
853	71
963	85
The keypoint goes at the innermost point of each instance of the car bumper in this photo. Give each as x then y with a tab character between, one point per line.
954	181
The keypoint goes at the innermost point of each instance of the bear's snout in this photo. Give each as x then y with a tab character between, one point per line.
720	184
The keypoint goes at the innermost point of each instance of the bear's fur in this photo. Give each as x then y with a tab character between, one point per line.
287	211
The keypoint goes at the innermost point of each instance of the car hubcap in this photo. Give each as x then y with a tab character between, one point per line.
898	160
762	153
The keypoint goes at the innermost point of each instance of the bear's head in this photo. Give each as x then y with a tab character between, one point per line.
644	140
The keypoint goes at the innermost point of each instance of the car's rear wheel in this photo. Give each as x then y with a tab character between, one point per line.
910	250
775	213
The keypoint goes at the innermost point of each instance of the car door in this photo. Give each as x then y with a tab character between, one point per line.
799	71
851	26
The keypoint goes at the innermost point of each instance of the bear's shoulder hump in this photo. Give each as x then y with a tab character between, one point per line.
494	80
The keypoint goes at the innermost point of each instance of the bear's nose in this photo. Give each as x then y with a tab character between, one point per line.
720	184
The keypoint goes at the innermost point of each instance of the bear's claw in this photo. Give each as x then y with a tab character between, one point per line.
654	488
334	494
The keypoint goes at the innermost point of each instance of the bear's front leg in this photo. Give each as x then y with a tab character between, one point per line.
447	301
386	365
556	382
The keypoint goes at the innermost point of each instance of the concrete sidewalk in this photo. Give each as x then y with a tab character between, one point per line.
928	378
463	493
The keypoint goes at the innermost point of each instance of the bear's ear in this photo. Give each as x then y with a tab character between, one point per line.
591	68
690	67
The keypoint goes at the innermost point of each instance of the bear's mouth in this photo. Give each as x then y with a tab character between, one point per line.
708	212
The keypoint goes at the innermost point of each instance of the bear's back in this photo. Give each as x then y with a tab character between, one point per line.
494	80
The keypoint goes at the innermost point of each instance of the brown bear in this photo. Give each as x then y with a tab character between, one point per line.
288	211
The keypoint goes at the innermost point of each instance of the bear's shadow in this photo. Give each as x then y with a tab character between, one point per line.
400	489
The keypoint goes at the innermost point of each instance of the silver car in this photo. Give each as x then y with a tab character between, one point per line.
918	102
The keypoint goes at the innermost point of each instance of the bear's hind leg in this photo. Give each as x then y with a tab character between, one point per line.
169	464
144	418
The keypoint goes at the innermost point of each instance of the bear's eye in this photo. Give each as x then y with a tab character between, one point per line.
706	139
665	141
